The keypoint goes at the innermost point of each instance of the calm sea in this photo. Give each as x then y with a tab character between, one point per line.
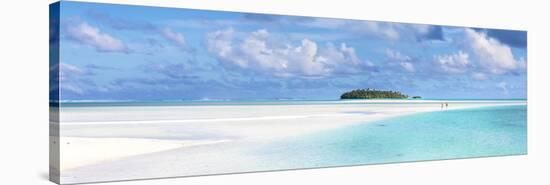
465	133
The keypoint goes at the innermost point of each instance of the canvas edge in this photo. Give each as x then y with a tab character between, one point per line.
54	65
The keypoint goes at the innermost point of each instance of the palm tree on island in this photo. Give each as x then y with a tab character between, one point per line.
374	94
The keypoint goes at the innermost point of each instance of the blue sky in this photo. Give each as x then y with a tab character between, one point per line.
118	52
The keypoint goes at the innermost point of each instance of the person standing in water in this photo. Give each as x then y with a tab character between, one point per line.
446	105
441	106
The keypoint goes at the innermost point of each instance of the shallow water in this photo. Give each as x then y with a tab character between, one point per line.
465	133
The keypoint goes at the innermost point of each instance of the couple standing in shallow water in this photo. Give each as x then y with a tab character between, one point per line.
446	105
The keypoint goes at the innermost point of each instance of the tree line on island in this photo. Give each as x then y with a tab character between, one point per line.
375	94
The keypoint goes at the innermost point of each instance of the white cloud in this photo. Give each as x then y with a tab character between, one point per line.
421	28
68	75
407	66
262	52
176	38
68	70
479	76
402	60
71	87
481	56
92	36
220	43
493	56
396	56
302	60
78	80
503	86
454	63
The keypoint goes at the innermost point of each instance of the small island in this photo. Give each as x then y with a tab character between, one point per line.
373	94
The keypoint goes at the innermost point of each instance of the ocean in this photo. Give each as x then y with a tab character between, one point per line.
447	134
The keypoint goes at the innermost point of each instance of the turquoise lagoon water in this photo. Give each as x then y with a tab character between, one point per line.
477	132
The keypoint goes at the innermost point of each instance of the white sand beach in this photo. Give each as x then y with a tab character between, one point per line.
85	151
106	138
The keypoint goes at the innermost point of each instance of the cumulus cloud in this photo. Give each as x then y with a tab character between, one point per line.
343	59
454	63
480	56
260	51
399	59
92	36
490	54
176	38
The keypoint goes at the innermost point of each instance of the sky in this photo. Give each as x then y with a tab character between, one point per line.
121	52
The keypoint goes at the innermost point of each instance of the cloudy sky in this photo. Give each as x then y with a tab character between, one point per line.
115	52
